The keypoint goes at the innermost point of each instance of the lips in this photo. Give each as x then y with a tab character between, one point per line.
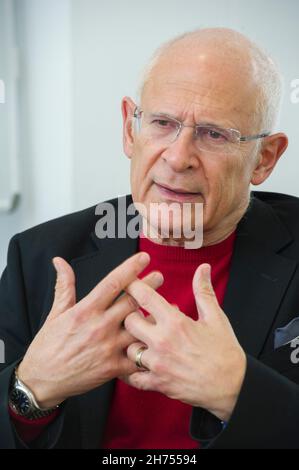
178	194
177	190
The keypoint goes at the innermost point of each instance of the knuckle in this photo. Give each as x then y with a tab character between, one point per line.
78	315
145	298
62	284
111	285
177	319
181	323
141	384
162	345
158	366
207	291
76	319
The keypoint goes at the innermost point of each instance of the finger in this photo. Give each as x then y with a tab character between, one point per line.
150	319
175	306
143	380
154	279
132	352
125	339
139	327
65	291
150	300
103	294
126	304
126	366
124	378
205	297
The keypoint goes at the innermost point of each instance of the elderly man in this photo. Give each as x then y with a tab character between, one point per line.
169	347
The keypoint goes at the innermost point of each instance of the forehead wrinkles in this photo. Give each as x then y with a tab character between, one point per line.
186	102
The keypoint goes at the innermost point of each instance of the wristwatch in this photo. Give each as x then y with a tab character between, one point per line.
22	401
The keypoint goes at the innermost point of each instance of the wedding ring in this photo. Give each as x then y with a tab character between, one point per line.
138	357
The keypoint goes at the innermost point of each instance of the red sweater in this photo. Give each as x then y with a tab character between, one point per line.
150	420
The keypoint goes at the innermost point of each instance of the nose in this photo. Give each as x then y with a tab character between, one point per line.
181	154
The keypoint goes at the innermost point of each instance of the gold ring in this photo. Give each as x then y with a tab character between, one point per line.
138	356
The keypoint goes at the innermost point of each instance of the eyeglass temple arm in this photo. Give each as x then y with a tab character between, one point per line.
254	137
137	112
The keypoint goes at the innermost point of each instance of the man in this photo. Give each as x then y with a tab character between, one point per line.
135	350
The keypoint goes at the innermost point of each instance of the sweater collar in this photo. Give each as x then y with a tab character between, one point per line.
181	254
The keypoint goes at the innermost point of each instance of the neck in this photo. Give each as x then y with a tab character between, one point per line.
207	239
202	237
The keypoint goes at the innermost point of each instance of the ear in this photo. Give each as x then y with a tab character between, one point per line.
128	107
271	150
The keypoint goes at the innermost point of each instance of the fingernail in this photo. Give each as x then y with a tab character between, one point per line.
207	271
55	264
144	258
159	278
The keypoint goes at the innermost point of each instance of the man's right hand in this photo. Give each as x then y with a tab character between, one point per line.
83	345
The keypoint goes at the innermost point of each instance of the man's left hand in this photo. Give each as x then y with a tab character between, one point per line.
200	362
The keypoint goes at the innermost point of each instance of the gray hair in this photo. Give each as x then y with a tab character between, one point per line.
264	70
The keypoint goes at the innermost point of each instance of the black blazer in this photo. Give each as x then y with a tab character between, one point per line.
262	295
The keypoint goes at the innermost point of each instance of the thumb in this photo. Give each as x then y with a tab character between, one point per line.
204	293
65	292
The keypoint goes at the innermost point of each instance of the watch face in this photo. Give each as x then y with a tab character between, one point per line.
21	401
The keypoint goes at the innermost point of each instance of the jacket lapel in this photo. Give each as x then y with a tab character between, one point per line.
259	276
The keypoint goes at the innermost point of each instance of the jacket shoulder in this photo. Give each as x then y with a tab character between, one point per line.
285	206
63	229
275	198
68	236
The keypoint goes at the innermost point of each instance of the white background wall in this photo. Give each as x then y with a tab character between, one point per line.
43	37
79	57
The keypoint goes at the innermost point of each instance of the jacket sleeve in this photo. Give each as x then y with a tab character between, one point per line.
29	430
266	415
16	333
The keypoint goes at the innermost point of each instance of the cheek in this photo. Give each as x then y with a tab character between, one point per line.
142	162
238	185
242	171
216	175
236	182
227	182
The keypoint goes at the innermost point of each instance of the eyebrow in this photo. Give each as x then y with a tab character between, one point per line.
203	123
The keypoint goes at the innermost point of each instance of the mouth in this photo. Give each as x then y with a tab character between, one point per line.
178	194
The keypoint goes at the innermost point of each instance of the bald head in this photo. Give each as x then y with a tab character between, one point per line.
230	60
